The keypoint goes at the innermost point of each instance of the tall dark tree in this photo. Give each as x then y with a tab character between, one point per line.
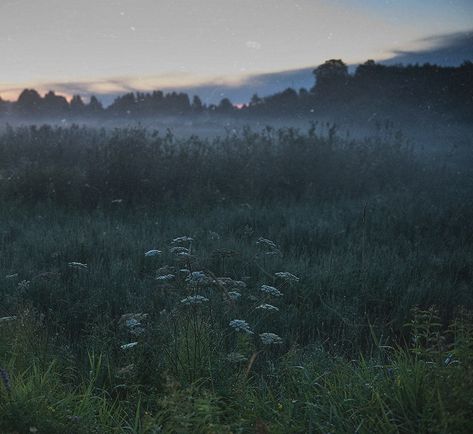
54	105
29	103
77	106
197	106
94	107
330	75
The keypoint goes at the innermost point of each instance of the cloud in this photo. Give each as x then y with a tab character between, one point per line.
445	50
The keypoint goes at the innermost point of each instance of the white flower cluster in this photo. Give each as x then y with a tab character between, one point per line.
269	307
133	322
240	325
165	277
153	252
194	299
182	240
178	249
288	277
270	339
78	265
271	290
264	242
128	346
198	278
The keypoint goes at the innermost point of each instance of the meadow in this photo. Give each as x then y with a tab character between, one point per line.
271	281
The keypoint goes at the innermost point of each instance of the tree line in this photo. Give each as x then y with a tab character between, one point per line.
372	87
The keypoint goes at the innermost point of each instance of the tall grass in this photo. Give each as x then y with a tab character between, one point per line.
96	336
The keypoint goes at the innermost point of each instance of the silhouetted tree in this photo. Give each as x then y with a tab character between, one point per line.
54	105
29	103
77	106
225	106
94	107
197	106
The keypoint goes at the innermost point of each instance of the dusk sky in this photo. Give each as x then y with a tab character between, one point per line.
106	46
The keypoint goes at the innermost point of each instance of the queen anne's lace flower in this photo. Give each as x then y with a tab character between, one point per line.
240	325
181	240
194	299
128	346
267	306
197	278
271	290
153	252
270	339
288	277
165	277
264	242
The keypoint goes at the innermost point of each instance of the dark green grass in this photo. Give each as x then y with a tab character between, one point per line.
394	234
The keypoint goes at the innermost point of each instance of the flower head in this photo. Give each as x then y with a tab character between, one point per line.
197	278
153	252
128	346
194	299
269	307
271	290
240	325
270	339
288	277
182	240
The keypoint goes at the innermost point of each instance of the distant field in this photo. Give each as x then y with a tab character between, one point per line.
126	256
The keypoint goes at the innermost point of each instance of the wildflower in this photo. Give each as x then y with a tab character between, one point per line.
271	290
5	377
179	249
132	322
7	318
132	319
240	325
229	283
153	252
128	346
197	278
270	339
234	295
269	307
181	240
165	277
235	358
78	265
288	277
194	299
264	242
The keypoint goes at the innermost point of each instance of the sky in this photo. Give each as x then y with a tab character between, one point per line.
112	46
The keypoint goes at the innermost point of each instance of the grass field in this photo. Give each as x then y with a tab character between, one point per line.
126	256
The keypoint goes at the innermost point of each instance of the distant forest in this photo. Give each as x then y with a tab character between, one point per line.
372	89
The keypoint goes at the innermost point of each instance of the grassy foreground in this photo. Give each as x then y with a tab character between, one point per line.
343	307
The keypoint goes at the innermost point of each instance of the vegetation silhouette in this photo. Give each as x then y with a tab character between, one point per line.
372	89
